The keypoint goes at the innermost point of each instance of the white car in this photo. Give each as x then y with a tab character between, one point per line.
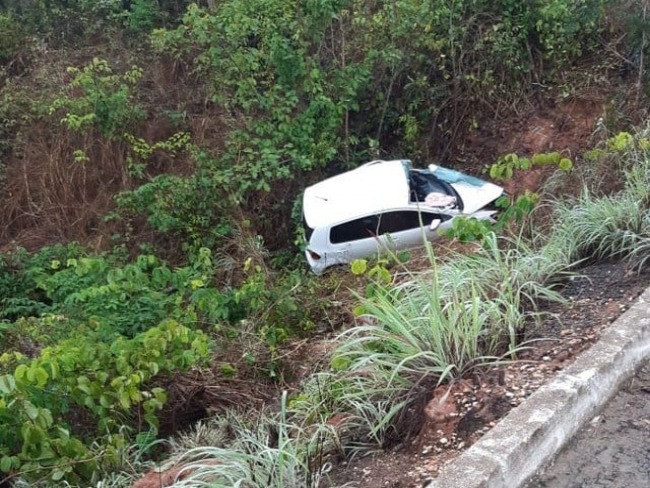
387	205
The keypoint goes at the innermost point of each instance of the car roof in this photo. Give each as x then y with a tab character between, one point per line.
368	189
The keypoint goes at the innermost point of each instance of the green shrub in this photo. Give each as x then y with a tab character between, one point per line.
106	100
193	209
131	298
20	295
13	40
41	397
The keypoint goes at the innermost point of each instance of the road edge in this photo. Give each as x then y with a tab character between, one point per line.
532	433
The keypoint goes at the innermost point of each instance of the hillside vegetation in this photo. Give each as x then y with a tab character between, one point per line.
152	157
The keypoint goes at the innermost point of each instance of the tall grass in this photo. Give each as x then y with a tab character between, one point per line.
439	325
270	452
418	334
601	227
456	316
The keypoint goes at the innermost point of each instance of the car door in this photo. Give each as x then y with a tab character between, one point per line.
353	239
405	228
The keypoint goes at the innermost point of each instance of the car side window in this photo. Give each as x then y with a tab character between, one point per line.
398	221
354	230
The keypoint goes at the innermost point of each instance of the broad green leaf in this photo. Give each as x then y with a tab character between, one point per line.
359	266
105	401
124	400
6	464
32	435
7	384
21	372
58	474
41	376
31	410
45	419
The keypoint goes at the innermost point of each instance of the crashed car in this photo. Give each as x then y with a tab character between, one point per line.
384	205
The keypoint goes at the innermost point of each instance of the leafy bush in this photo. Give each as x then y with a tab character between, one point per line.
40	399
14	37
132	298
192	209
504	168
19	270
75	21
106	101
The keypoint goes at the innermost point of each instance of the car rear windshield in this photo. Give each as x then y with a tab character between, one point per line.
308	230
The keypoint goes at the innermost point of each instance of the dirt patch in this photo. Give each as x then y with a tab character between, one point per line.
568	125
458	417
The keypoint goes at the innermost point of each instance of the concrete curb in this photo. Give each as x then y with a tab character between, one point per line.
531	434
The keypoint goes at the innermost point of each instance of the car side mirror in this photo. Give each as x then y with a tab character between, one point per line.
435	223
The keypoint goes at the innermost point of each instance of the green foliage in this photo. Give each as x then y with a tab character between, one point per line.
612	219
379	271
298	86
516	210
280	307
107	379
620	142
430	316
142	151
505	167
66	22
615	225
143	15
270	450
378	275
19	270
193	209
63	21
634	15
311	85
406	345
106	101
468	229
471	229
434	327
13	40
560	22
132	298
254	56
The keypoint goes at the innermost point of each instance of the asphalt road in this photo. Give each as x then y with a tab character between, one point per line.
613	450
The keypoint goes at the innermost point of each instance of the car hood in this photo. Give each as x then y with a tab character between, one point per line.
476	197
474	192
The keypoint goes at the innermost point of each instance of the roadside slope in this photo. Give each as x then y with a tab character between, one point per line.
535	431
